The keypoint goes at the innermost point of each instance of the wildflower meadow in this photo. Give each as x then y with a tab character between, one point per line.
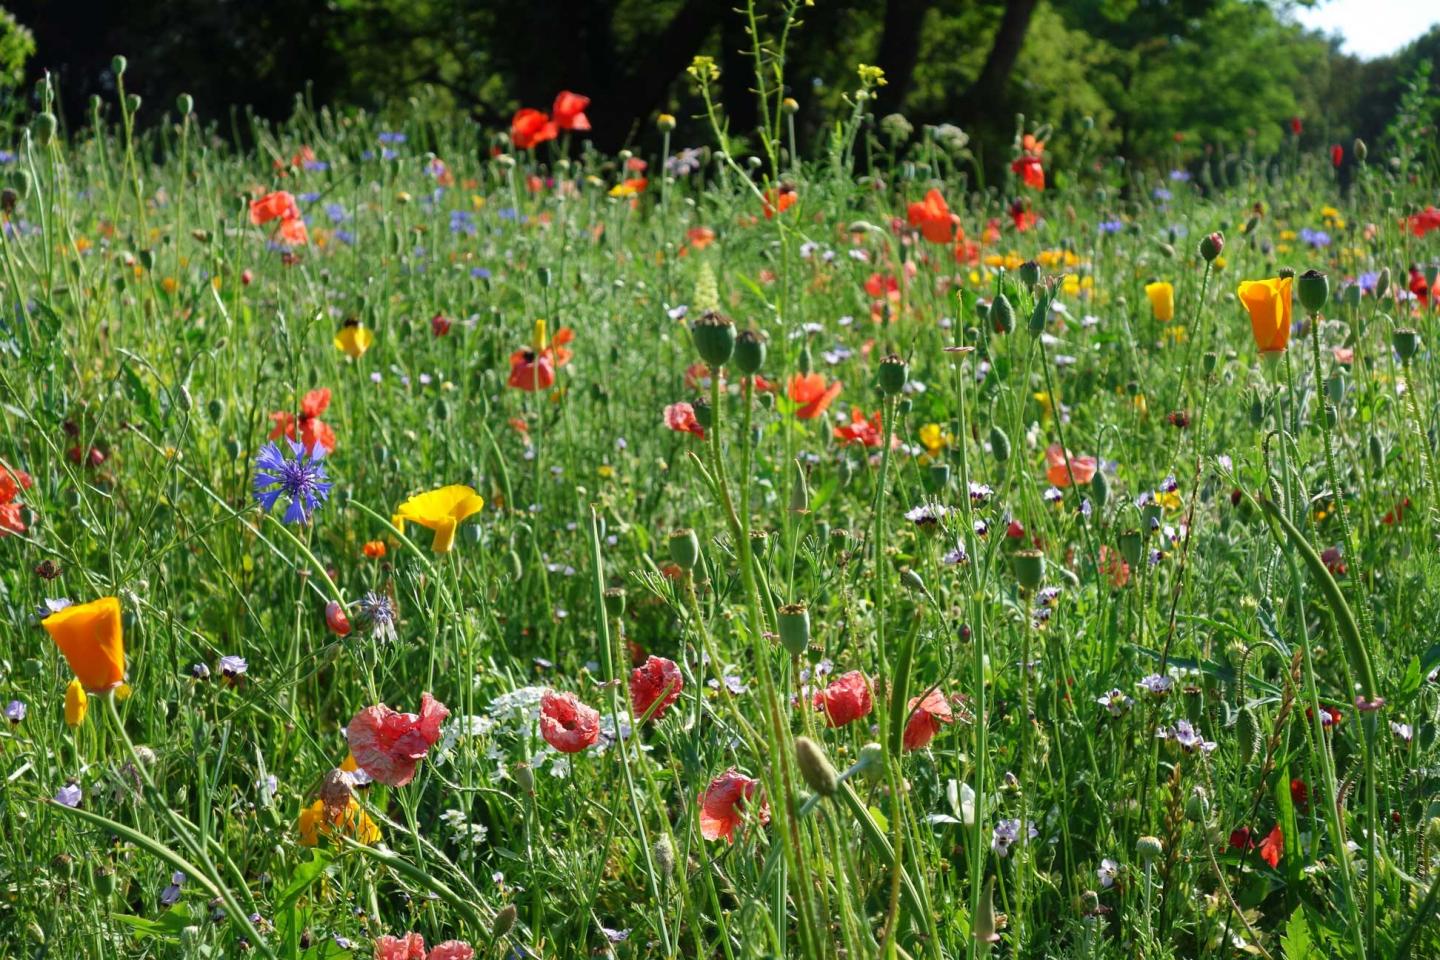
434	540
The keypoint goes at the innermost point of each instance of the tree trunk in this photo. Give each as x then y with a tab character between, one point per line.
899	52
987	93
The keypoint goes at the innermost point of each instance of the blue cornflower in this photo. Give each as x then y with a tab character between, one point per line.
480	273
308	197
1161	194
388	137
462	221
336	212
1180	176
1111	226
1315	238
301	480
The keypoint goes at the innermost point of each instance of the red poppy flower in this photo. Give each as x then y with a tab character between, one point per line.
279	205
336	619
846	699
1337	155
783	199
809	390
1240	839
439	324
861	430
534	369
722	805
700	237
11	519
1056	471
680	417
293	233
925	722
1299	793
1422	223
1334	561
932	215
1028	166
388	744
883	285
569	111
1396	515
656	682
409	947
1329	716
452	950
567	724
12	481
1296	127
313	431
1022	216
530	127
1114	566
1273	846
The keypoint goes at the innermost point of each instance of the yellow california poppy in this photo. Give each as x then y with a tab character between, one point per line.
1162	300
354	339
353	822
93	641
440	510
1269	304
76	704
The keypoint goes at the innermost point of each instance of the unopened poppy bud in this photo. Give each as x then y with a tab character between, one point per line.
663	853
1382	284
44	128
185	104
1377	451
872	760
1406	342
1211	245
665	123
937	478
1002	314
684	548
1039	315
1149	849
714	336
815	767
336	619
912	580
894	371
132	103
117	65
1360	150
799	490
504	921
1029	568
1089	903
704	413
1314	289
999	445
794	622
984	926
615	601
1197	806
1166	250
524	777
1029	273
1099	488
805	362
749	352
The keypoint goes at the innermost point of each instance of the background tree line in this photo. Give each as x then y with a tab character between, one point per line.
1142	78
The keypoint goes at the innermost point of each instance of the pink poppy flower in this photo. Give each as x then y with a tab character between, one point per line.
655	682
845	700
680	417
388	744
336	619
925	722
409	947
722	805
567	724
1083	468
452	950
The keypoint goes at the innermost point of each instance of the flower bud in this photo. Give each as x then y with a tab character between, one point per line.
984	927
504	921
1002	314
1029	568
815	767
132	103
872	761
185	104
892	376
999	445
663	853
1382	283
1130	546
1039	315
1360	150
524	777
117	65
1197	806
714	336
44	128
1100	488
1149	849
1029	273
665	123
912	580
799	491
789	106
336	619
794	621
805	362
937	478
1406	342
749	352
1211	245
684	548
1314	289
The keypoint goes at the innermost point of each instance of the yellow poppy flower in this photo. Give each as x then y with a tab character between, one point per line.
1162	300
93	641
354	339
76	704
353	822
440	510
934	438
1269	304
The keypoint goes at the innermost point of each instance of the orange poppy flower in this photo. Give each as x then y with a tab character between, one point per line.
313	431
700	237
1056	471
783	199
279	205
533	368
862	430
932	215
1268	302
809	390
92	638
530	127
292	232
569	111
1030	170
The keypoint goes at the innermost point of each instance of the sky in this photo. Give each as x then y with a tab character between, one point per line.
1372	28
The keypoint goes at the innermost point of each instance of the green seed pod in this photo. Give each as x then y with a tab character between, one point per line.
232	448
1352	296
105	882
1208	362
615	601
749	352
815	767
794	621
937	478
714	336
185	104
805	362
1382	284
1314	289
704	415
685	548
1149	849
1377	451
1039	315
1197	806
1029	568
999	445
1002	314
1406	342
216	409
1257	410
1332	415
1286	273
546	276
517	569
1100	489
1131	544
1029	273
759	542
893	373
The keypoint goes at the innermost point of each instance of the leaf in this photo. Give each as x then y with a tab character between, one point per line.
305	874
168	927
1295	941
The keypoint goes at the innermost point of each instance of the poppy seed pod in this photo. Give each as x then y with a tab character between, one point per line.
1211	245
1314	289
1130	545
815	767
749	352
937	478
1208	361
1149	849
1406	342
704	415
759	541
684	548
1029	273
714	336
1002	314
615	601
999	445
893	374
1039	315
1359	149
794	620
1029	568
1286	273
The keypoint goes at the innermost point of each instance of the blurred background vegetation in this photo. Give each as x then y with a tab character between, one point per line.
1152	81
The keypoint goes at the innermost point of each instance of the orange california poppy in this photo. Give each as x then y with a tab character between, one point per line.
530	127
569	111
1269	304
932	215
809	390
91	637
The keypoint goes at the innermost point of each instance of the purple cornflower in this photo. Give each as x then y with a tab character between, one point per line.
377	614
302	480
15	711
1315	238
69	795
1111	226
388	137
1186	737
171	894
